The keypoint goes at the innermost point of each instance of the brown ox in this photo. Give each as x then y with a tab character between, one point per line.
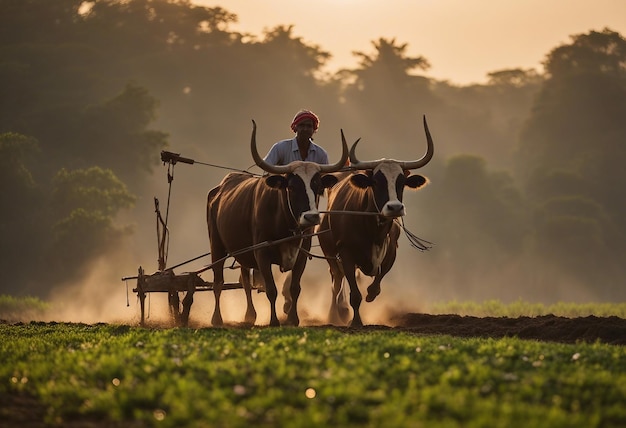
367	242
245	211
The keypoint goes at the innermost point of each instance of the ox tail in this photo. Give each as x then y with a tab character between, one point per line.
210	196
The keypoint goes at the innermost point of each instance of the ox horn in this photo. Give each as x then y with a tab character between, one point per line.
272	169
342	162
282	169
406	165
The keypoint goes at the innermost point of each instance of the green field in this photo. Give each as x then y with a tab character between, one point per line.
95	375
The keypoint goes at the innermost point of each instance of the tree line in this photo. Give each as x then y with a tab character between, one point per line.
526	179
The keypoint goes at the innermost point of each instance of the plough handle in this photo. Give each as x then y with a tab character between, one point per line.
174	157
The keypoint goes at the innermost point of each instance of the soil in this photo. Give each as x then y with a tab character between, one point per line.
611	330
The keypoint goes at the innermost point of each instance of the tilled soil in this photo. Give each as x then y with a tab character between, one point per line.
611	330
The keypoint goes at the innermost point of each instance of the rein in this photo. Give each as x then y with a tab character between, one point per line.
350	213
252	248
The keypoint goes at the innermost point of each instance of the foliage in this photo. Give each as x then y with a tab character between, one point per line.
21	308
480	220
84	81
118	136
84	204
570	150
22	221
307	377
94	189
18	189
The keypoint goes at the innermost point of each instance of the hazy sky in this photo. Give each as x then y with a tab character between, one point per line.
462	39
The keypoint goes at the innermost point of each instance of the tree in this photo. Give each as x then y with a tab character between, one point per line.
480	223
22	218
114	134
84	204
583	98
390	64
385	94
485	120
571	157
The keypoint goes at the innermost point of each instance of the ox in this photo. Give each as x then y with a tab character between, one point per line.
367	242
246	214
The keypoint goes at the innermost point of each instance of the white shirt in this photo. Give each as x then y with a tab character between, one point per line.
286	151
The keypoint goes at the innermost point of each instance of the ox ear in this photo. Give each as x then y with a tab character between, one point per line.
416	181
361	180
329	181
276	181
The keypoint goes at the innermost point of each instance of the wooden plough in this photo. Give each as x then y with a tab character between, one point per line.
164	280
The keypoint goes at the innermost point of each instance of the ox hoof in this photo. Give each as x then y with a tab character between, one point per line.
286	307
217	322
274	321
371	297
250	319
356	322
372	293
292	321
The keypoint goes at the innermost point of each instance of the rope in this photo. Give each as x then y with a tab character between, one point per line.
415	241
245	171
315	256
255	247
351	213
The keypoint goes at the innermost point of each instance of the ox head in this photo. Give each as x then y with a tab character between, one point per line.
303	181
388	177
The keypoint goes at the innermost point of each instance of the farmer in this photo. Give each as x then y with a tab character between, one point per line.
301	147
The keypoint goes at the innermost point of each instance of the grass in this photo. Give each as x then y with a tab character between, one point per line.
14	308
496	308
306	377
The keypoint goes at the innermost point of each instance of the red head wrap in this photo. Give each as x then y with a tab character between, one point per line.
303	115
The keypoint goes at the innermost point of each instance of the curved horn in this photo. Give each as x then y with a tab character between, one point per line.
406	165
357	163
427	157
272	169
342	162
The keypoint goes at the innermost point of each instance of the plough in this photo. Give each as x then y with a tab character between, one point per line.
164	280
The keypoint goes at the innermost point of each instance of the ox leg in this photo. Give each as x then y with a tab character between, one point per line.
338	313
188	301
244	278
218	284
349	269
390	258
287	293
270	288
374	289
293	290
